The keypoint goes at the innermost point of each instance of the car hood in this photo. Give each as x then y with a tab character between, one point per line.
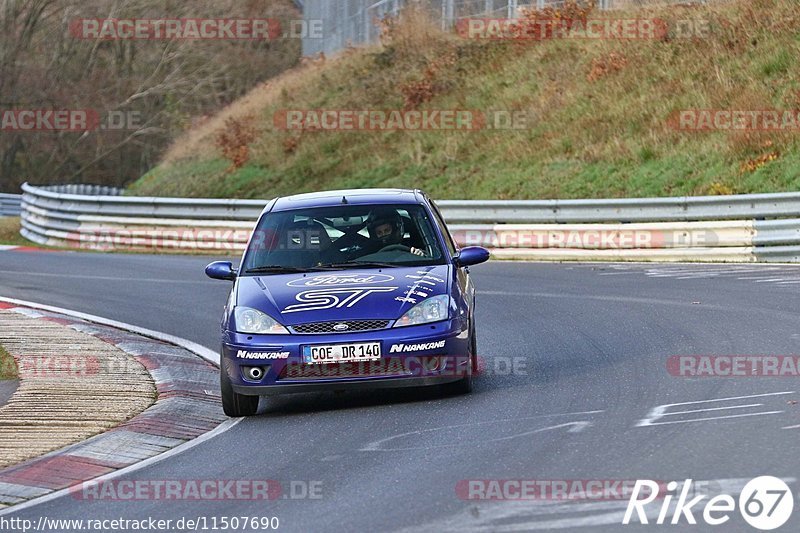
384	293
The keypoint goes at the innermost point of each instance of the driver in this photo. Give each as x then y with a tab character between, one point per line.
385	228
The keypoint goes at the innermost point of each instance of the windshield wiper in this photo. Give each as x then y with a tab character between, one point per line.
358	264
275	269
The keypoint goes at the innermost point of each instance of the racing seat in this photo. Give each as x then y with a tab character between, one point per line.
299	244
304	244
414	240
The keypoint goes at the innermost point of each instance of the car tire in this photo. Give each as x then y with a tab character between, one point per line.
235	404
464	385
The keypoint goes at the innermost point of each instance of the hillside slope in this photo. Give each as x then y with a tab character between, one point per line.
600	115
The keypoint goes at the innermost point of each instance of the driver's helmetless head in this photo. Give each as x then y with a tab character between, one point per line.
386	227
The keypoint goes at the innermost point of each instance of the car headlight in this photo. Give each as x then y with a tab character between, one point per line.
433	309
250	320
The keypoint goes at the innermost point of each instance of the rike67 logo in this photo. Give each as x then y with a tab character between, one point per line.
765	503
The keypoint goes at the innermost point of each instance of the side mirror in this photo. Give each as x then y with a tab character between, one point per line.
221	270
472	255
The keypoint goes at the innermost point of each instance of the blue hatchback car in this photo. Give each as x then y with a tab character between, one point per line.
347	289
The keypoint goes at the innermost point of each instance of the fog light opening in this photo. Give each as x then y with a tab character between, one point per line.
254	373
432	364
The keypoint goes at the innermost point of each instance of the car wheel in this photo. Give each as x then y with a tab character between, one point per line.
464	385
233	403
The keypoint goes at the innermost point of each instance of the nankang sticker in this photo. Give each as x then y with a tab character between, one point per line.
405	348
244	354
333	280
332	298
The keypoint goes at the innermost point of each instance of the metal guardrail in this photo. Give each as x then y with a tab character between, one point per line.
672	209
684	209
134	206
756	227
10	205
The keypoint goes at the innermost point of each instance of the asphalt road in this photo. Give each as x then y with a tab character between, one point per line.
588	345
7	389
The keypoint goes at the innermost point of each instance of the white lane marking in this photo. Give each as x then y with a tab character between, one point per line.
743	270
716	268
715	409
662	411
202	351
710	418
621	299
108	278
713	273
643	264
223	427
735	398
575	427
669	273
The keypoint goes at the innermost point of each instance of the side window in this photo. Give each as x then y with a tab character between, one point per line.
448	239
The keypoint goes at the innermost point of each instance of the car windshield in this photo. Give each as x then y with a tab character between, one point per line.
341	237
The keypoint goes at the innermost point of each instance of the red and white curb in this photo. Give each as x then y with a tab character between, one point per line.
188	407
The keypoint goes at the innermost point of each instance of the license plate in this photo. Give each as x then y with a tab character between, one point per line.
336	353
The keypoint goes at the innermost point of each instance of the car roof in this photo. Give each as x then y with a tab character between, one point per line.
353	196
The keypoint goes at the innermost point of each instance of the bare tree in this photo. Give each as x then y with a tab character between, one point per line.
157	85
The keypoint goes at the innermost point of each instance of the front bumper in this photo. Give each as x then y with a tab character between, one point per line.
412	356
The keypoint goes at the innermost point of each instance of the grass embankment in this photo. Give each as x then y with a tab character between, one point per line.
601	113
8	366
9	232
